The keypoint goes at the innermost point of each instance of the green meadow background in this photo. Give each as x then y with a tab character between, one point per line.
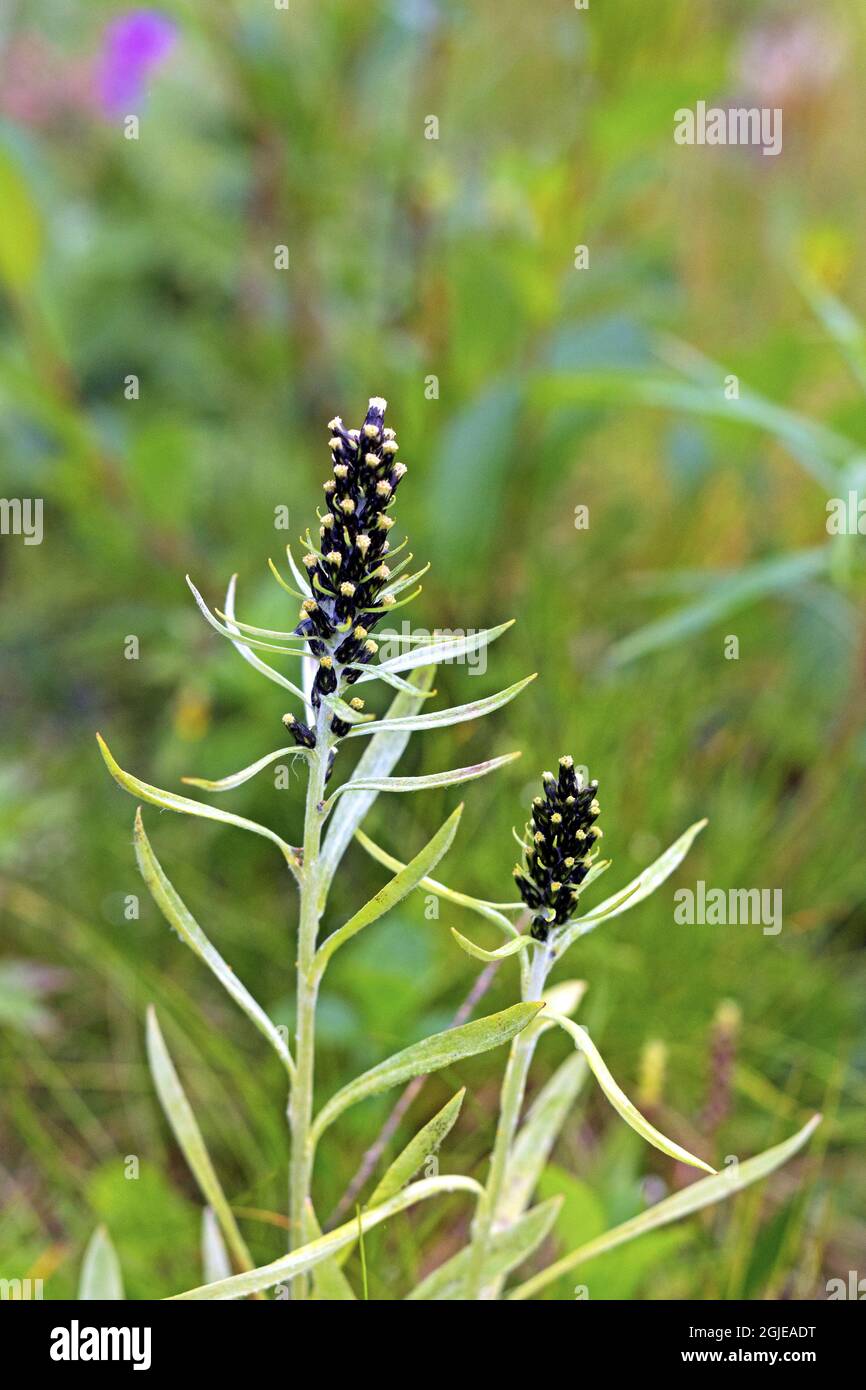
556	388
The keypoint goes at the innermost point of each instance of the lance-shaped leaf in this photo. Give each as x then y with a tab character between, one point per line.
492	911
537	1136
100	1279
440	649
416	1153
170	801
451	778
634	892
215	1260
380	755
236	779
695	1197
458	714
428	1056
511	948
393	892
419	1149
620	1101
179	917
178	1112
374	673
246	651
277	633
506	1250
227	631
308	1256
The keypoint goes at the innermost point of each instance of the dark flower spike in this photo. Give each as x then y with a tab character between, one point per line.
347	572
558	845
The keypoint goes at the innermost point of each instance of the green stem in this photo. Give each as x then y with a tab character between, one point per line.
520	1057
307	989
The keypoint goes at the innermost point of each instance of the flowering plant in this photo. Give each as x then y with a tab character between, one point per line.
346	583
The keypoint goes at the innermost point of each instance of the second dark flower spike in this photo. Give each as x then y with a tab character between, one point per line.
560	836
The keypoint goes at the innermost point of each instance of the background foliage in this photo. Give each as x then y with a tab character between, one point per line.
557	387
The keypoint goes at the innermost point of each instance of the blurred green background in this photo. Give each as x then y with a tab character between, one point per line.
452	258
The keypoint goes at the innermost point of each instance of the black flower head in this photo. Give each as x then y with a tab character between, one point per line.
557	849
347	571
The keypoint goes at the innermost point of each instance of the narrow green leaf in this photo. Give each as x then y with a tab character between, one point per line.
379	757
695	1197
178	1112
620	1101
226	631
170	801
419	1149
517	943
458	714
432	779
537	1136
308	1256
393	892
101	1279
179	917
492	911
634	892
428	1056
506	1250
215	1260
246	652
442	649
375	673
236	779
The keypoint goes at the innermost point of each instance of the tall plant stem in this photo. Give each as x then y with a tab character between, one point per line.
520	1057
301	1099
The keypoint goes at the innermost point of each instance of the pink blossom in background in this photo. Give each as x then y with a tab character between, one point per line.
134	46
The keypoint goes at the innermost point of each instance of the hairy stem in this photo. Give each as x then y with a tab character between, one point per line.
520	1057
307	989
